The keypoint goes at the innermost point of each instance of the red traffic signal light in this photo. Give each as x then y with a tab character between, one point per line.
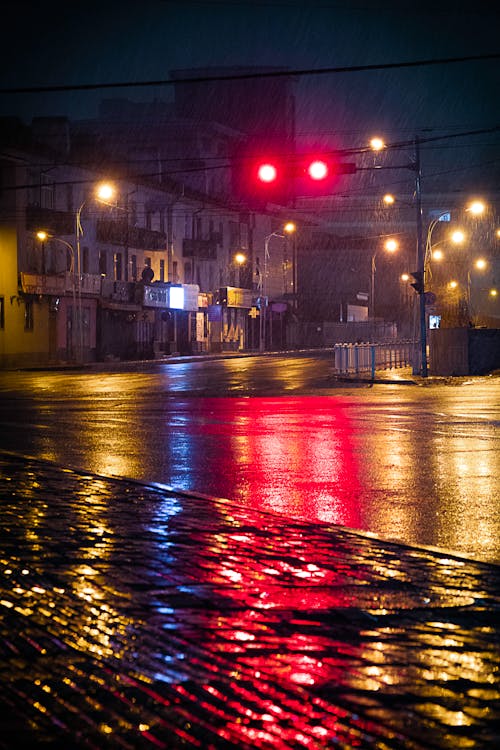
318	169
318	174
280	177
267	172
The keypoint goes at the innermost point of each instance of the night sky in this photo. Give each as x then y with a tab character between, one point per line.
52	43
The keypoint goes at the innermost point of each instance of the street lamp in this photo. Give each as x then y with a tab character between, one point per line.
43	236
103	193
239	259
288	228
390	246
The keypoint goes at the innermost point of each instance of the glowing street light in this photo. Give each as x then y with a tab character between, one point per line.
288	228
43	236
457	237
377	144
103	192
476	208
390	246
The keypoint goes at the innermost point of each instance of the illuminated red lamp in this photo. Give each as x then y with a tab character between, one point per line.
318	170
267	172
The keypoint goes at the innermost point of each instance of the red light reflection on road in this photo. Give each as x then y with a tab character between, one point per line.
292	455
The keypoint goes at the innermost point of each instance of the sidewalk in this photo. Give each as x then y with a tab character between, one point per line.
137	617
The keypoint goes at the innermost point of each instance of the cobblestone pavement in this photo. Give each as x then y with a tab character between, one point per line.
136	617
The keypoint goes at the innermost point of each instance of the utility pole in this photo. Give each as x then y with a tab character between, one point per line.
420	260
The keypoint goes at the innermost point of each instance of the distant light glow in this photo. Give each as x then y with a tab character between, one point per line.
42	236
493	293
480	264
453	284
477	208
105	191
240	258
391	245
377	144
405	277
458	237
177	297
437	255
389	199
289	227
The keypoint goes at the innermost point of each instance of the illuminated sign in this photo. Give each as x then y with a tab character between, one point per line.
155	296
177	297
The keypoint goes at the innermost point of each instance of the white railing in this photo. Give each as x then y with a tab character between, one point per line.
357	358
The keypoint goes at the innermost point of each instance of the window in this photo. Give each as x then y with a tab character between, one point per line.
133	263
47	192
103	263
147	262
132	212
2	313
175	272
188	269
117	266
162	270
28	315
85	260
69	198
149	218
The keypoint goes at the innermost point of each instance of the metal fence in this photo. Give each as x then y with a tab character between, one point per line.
358	358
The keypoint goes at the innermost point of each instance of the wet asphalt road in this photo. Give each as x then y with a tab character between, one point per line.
416	463
132	617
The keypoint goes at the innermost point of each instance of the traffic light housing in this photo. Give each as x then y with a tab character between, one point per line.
418	284
280	178
317	174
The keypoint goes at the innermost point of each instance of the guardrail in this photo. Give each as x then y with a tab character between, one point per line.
356	358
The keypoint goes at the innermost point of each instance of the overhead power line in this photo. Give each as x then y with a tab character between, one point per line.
249	75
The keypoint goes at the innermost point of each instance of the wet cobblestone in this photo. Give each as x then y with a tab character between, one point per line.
135	617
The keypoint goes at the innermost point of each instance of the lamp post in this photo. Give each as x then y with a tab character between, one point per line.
288	228
43	236
391	246
103	193
239	259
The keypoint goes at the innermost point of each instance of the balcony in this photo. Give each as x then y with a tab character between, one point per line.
121	233
119	291
201	249
34	283
56	285
58	223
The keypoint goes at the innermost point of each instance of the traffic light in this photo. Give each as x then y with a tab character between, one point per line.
318	174
265	180
279	178
418	284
